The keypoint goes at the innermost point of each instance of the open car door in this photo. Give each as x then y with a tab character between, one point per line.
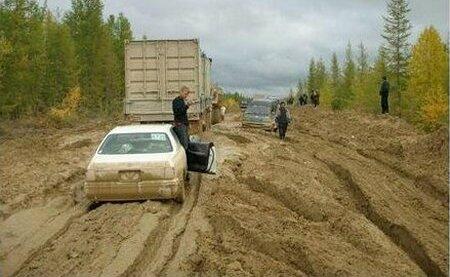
201	157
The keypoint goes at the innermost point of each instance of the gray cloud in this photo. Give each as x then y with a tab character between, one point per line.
265	45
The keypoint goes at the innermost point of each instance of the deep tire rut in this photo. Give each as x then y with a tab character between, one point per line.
168	237
420	182
76	213
398	234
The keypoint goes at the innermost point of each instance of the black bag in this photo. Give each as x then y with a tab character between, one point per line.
201	157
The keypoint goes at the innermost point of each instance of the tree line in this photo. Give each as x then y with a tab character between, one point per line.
418	74
47	59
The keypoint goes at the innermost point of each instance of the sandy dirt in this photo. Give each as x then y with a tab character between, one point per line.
344	195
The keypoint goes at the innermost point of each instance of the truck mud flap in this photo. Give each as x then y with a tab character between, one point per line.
201	157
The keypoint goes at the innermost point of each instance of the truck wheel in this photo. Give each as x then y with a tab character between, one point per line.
181	194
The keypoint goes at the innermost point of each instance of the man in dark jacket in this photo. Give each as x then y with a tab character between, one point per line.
303	99
384	93
180	118
315	98
282	119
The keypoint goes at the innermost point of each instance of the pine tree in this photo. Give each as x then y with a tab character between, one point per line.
335	71
321	75
428	85
331	85
396	33
301	88
371	98
337	101
363	61
311	81
349	77
381	63
361	88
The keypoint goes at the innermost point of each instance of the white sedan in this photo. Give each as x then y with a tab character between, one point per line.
144	162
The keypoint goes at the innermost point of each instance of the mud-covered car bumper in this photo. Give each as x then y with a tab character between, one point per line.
261	125
120	191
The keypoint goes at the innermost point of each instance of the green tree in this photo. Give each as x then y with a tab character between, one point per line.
361	87
21	86
321	75
396	33
428	85
363	61
61	69
120	31
337	101
311	79
300	86
371	101
348	93
5	49
98	66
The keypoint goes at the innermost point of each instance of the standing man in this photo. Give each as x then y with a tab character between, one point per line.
180	118
283	118
223	109
315	98
302	99
384	93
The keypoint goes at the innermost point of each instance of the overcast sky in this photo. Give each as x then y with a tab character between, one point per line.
265	45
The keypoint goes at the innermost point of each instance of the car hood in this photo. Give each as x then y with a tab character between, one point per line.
257	117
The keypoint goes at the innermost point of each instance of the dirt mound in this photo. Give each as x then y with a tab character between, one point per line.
390	140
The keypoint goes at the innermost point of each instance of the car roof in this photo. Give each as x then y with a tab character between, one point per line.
141	128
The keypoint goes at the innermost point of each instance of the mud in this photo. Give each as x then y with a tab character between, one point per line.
344	195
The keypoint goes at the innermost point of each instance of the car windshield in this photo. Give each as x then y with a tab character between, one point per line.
260	110
136	143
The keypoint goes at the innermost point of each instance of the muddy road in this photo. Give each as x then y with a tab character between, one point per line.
344	195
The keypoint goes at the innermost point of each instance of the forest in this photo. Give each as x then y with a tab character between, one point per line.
61	64
418	74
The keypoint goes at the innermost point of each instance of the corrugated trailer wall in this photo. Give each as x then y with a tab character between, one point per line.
155	70
207	80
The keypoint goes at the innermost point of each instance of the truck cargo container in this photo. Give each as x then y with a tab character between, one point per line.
155	70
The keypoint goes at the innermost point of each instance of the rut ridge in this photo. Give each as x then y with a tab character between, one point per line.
397	233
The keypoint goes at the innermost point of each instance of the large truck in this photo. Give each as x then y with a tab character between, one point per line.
155	70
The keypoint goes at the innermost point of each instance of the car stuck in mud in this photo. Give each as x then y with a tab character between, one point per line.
140	162
137	162
260	114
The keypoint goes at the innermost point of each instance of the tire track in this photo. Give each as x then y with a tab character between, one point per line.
421	182
18	258
165	248
93	240
398	234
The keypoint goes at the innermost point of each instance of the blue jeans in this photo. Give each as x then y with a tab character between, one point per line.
182	132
